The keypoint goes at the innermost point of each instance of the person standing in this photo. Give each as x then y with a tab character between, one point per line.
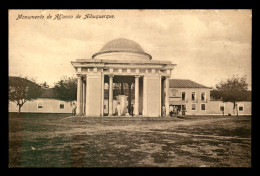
132	109
118	109
74	107
163	111
175	110
171	110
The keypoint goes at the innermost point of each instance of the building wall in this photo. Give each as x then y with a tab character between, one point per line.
211	107
48	106
176	99
94	90
214	108
151	96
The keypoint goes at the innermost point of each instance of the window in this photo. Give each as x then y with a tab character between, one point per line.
240	107
221	108
202	96
193	107
61	106
183	107
193	96
183	96
40	105
203	107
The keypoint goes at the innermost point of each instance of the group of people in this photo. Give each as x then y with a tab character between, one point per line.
173	110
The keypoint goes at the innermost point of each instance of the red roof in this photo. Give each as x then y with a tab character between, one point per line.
185	83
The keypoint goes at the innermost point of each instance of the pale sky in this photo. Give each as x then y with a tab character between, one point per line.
207	45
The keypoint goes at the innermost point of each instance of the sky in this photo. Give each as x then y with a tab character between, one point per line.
207	45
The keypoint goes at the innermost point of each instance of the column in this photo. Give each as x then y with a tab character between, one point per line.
79	95
161	88
110	112
167	96
102	95
83	96
145	96
86	96
136	95
129	98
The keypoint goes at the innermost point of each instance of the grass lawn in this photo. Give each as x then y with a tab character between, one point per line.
59	140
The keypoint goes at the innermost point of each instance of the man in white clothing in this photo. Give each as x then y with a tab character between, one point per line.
118	109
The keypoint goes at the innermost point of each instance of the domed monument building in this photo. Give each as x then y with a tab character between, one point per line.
122	80
122	61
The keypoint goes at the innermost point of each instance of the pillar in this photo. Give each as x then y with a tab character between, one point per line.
136	109
79	95
161	88
140	95
102	95
94	95
145	96
83	96
110	104
86	96
167	108
129	97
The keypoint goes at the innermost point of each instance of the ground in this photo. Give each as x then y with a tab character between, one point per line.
60	140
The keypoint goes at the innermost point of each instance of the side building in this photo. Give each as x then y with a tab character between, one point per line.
195	99
46	103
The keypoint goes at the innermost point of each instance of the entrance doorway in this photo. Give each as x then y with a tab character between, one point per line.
179	108
123	95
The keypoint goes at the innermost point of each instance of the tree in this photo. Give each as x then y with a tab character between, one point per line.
44	85
232	90
22	90
66	89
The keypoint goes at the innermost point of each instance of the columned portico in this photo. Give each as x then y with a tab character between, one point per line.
110	104
119	62
136	109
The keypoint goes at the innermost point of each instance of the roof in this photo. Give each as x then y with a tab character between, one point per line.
47	93
122	45
185	83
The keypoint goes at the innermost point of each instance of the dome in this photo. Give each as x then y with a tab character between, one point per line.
122	45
